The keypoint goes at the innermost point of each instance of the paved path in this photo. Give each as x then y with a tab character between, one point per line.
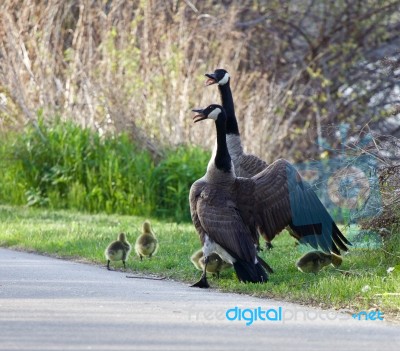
51	304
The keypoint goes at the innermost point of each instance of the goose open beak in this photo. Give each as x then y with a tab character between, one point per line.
211	79
200	115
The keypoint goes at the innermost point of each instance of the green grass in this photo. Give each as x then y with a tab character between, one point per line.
75	235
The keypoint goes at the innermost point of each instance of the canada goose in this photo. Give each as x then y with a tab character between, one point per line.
246	165
146	244
215	215
314	261
227	210
215	263
118	250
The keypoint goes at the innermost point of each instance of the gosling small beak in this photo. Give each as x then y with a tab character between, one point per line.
211	79
200	115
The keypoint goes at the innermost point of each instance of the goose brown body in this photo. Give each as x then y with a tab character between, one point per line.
271	200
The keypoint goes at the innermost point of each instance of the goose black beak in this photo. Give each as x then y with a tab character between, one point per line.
200	115
211	79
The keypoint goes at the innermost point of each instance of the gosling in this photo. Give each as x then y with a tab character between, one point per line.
314	261
118	250
146	243
215	263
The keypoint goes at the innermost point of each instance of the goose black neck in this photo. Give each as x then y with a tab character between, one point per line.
222	158
227	103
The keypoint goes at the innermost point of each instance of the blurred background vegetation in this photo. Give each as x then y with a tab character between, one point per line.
95	96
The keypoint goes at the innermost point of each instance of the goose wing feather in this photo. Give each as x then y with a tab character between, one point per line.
249	165
282	198
194	195
216	215
270	201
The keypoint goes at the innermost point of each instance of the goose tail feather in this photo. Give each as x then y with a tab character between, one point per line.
249	272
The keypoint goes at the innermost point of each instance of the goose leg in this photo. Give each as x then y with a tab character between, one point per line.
124	264
268	245
108	265
203	283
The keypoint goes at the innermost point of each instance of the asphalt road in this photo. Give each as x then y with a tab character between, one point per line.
51	304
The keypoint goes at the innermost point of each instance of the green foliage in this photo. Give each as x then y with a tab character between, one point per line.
66	166
173	177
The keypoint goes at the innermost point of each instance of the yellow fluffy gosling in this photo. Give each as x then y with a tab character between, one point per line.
118	250
314	261
215	264
146	243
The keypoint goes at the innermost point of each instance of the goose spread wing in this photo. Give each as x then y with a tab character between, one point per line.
264	200
221	221
282	198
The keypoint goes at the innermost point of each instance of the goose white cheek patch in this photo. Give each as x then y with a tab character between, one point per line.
224	80
214	114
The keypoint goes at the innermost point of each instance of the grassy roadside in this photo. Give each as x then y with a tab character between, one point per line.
365	283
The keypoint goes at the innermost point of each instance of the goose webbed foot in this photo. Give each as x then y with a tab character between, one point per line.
202	283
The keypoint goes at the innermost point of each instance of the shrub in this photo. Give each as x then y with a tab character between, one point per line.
65	166
173	177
